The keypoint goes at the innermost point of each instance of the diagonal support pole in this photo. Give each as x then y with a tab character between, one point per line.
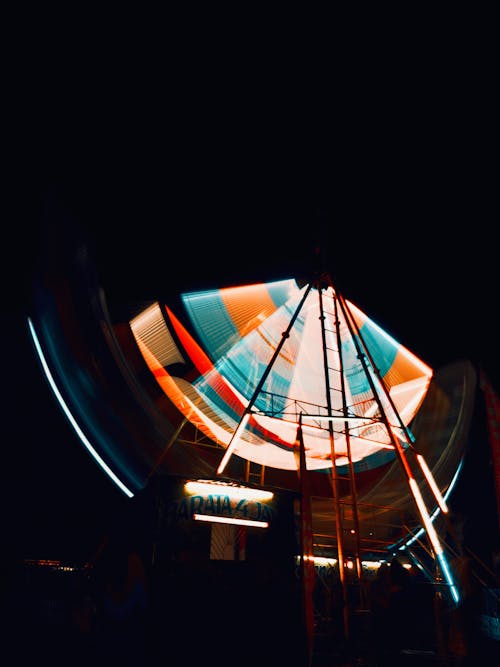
364	353
246	414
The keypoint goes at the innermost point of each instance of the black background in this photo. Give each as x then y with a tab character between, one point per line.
208	172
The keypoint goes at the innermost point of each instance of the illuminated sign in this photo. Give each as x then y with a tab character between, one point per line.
220	505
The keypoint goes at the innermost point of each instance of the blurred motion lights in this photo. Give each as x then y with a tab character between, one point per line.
70	416
213	372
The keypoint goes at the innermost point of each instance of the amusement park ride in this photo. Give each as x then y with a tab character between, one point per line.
283	366
279	385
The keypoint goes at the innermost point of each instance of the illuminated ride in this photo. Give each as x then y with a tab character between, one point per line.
262	366
231	383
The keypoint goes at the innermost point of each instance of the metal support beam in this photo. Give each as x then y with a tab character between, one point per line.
246	414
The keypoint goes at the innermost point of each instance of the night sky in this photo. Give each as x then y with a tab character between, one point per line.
398	202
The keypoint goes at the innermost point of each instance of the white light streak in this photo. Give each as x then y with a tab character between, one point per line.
432	483
233	443
223	519
438	550
70	417
436	512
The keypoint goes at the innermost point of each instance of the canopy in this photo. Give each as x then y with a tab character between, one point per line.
347	380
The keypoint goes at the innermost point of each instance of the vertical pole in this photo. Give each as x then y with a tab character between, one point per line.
307	571
335	484
352	478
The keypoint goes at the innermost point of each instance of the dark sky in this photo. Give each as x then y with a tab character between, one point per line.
393	176
412	243
395	182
